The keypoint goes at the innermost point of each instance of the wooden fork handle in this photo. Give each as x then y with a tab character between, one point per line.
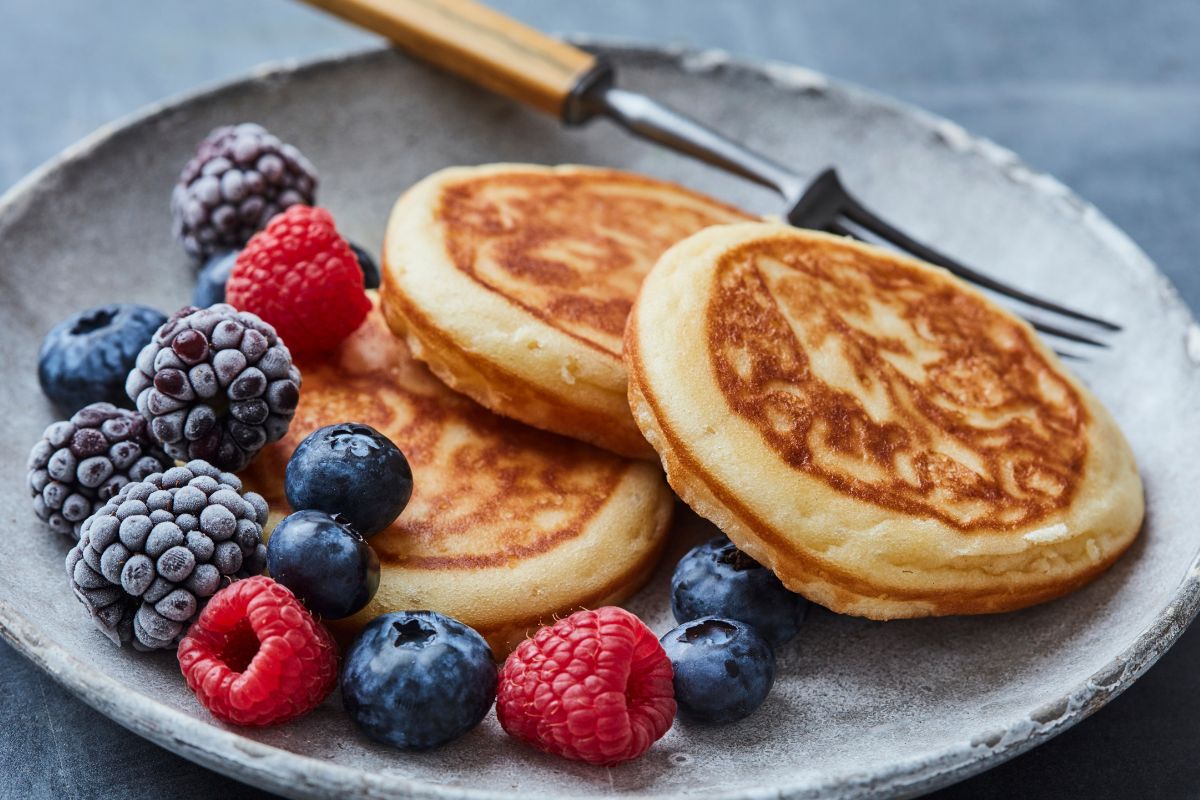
481	45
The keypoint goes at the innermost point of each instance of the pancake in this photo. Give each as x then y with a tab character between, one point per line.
879	434
513	283
508	526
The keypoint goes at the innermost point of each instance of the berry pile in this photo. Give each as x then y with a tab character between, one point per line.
733	613
216	384
171	556
256	657
149	558
717	579
81	463
299	272
347	482
240	177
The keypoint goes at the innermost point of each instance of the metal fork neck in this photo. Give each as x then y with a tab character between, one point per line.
651	120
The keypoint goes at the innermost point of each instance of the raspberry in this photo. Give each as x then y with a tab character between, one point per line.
240	177
256	657
302	277
593	687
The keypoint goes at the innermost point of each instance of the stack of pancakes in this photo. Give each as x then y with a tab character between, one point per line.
883	437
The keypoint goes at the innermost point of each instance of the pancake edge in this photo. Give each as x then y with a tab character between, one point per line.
816	578
603	421
512	612
526	369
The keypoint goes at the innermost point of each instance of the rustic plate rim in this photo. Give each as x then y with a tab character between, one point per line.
292	774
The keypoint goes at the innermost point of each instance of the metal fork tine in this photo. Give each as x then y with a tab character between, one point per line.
1051	330
817	204
842	230
859	214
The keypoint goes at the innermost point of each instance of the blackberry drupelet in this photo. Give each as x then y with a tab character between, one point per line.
216	384
240	177
80	463
146	563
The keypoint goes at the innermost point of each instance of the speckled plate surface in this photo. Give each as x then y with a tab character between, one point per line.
862	709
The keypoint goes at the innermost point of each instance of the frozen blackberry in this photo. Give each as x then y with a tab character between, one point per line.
240	177
82	462
216	384
147	562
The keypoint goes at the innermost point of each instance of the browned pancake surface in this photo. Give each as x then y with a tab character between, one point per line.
487	491
570	249
889	384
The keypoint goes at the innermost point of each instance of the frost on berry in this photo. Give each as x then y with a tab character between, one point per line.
149	559
240	177
216	384
80	463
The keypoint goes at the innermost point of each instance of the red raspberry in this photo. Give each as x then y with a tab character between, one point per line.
593	687
255	656
299	275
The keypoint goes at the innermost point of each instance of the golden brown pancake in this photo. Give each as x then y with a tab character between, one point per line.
508	526
885	438
513	283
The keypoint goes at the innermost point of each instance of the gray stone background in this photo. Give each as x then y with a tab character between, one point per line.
1104	94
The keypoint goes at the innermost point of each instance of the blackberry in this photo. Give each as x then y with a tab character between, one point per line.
216	384
147	562
82	462
240	177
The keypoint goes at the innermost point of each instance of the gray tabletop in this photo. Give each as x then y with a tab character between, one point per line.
1103	94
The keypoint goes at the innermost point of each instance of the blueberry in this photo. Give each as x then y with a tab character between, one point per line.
324	561
717	579
418	679
352	470
723	669
85	359
211	280
370	269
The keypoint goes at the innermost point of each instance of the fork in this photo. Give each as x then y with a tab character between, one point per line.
494	51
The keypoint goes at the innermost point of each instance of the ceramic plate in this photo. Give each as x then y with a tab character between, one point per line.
861	709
